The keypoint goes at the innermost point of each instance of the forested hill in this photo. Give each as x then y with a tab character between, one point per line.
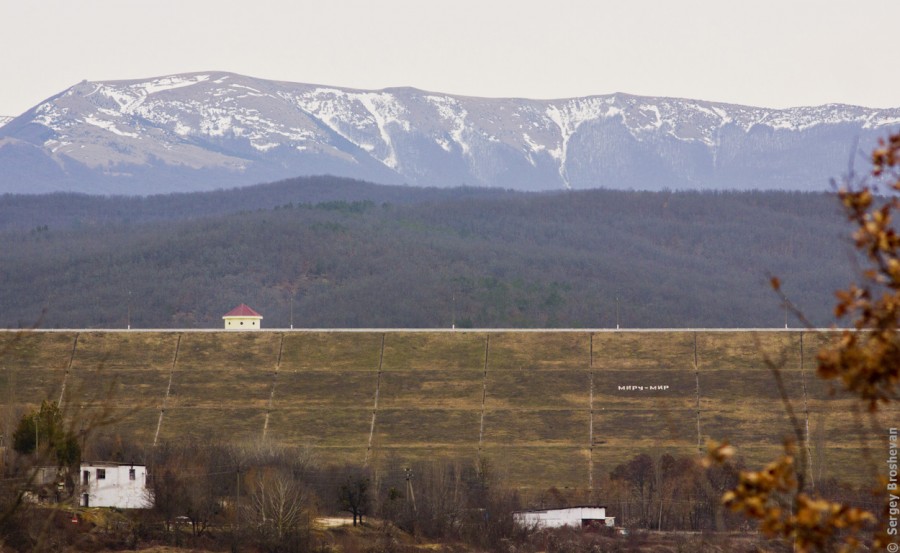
490	259
61	209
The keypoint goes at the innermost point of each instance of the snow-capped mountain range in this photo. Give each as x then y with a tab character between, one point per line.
208	130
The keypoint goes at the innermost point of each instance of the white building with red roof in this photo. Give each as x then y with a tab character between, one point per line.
242	318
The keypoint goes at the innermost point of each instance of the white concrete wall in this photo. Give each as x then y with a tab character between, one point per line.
117	489
243	323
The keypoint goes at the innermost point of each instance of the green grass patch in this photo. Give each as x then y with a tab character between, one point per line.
855	465
430	389
545	427
727	385
235	387
651	426
336	456
129	422
813	342
125	387
224	424
225	351
518	351
125	350
326	389
540	467
392	460
38	350
756	425
845	422
422	427
547	389
320	427
867	462
29	385
443	351
743	351
331	351
643	350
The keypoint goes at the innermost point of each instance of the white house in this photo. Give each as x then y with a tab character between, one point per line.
242	318
111	485
579	517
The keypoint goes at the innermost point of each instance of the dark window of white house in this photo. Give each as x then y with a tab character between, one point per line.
101	474
131	475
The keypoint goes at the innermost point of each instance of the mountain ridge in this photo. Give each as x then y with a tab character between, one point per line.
205	130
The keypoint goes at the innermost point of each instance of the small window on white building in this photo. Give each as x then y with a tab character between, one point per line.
131	474
101	474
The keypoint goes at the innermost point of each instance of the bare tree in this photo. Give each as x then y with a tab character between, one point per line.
278	504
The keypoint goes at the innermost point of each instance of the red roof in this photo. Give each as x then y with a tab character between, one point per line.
242	311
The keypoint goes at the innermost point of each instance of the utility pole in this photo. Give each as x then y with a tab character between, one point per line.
129	310
237	510
292	309
453	311
236	524
410	494
617	312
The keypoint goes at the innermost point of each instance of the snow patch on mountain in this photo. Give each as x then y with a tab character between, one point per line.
170	83
568	117
385	110
223	121
333	107
216	122
532	145
4	119
450	111
52	116
365	119
109	126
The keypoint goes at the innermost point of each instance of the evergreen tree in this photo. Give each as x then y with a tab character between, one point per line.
44	430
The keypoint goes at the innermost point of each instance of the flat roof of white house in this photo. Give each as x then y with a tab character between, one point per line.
562	508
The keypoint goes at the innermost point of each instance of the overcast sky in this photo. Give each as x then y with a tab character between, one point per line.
773	53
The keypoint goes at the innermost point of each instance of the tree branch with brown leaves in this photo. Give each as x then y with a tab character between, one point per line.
865	359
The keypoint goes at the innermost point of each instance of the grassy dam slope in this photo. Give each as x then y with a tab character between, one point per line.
545	408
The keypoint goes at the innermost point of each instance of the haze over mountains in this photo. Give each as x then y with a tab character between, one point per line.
204	131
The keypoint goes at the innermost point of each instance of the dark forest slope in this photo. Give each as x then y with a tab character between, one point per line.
357	258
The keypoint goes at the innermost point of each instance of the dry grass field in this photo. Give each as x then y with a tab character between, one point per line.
543	408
